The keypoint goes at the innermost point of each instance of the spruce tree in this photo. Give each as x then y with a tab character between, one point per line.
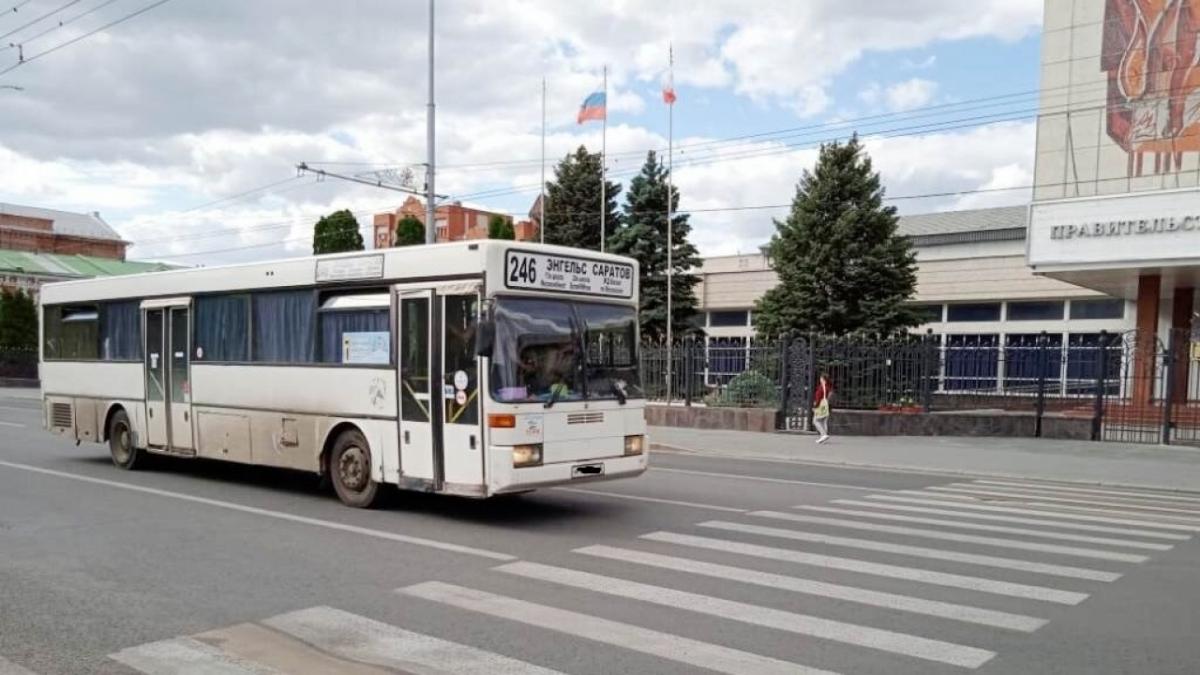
500	227
573	202
337	232
18	320
842	266
643	236
410	231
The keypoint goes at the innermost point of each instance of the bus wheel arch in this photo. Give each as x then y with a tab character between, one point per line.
118	431
346	463
113	409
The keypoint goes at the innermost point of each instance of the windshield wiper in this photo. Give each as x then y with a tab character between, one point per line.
618	392
553	397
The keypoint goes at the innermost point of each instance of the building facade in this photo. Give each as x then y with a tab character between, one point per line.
39	230
454	222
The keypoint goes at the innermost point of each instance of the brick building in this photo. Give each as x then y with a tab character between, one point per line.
454	222
38	230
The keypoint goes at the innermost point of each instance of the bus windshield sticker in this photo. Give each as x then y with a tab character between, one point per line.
448	391
348	269
366	347
567	274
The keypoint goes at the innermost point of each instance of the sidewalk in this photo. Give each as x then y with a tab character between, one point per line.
1148	466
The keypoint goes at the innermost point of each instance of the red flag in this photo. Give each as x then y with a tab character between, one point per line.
669	94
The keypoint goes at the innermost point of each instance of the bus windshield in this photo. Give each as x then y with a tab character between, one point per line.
559	350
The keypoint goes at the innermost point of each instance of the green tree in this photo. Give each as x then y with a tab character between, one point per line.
337	232
842	267
18	320
573	202
410	231
500	227
643	235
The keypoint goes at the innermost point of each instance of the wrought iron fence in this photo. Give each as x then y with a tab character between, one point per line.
19	363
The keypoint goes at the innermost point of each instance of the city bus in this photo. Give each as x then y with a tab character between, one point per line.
470	368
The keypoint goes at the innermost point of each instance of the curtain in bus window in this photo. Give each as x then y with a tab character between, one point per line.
52	332
283	327
462	369
80	339
121	331
335	325
222	328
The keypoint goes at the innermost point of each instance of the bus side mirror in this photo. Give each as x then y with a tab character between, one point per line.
485	337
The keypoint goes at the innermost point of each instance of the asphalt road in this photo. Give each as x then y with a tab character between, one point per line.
702	565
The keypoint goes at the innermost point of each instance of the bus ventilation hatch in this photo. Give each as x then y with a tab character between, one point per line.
585	418
60	415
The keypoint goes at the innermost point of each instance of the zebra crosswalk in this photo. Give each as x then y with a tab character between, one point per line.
939	579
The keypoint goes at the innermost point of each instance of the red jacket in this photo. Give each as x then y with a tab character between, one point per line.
821	392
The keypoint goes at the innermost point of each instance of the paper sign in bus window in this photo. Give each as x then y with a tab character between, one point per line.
366	347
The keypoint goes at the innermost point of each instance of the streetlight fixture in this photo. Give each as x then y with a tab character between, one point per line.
12	86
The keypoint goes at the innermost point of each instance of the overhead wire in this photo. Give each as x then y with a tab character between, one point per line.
84	36
40	18
61	24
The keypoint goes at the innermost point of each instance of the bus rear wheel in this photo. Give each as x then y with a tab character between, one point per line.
350	470
120	443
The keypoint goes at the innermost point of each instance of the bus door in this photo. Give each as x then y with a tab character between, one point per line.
168	375
441	436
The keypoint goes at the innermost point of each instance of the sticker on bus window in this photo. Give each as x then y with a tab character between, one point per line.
448	391
366	347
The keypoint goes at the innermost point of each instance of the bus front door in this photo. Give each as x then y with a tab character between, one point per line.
462	435
420	404
168	379
156	379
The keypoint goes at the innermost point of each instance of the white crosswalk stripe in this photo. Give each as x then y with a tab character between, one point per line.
982	527
627	636
1133	509
1044	522
1071	489
1061	510
185	655
9	668
837	631
920	551
365	640
944	501
980	584
951	536
904	603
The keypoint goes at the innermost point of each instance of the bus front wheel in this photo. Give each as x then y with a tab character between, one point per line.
350	470
120	443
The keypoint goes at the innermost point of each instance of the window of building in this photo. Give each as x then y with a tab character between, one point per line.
121	331
929	313
972	362
1031	357
355	328
283	327
727	318
72	332
222	330
1097	309
983	311
1050	310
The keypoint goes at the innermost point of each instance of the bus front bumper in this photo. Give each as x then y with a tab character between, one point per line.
505	478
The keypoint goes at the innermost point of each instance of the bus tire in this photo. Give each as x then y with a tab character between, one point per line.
350	470
120	443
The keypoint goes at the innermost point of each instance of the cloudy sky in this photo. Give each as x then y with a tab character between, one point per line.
156	119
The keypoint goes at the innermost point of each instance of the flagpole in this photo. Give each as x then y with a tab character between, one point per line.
603	170
670	209
542	201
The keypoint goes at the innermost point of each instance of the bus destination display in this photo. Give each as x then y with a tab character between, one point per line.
538	271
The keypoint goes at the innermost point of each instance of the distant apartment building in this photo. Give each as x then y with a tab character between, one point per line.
453	222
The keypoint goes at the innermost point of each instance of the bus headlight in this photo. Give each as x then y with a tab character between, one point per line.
527	455
634	445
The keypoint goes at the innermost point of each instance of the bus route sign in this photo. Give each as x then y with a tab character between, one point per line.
567	274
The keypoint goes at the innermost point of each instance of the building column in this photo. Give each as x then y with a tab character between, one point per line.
1181	336
1145	357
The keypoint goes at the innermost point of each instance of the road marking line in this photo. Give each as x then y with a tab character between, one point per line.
11	424
185	655
267	647
358	638
801	624
1043	487
928	500
1148	503
878	569
9	668
1065	510
1046	534
962	538
1082	527
653	500
695	653
280	515
920	552
763	479
1133	509
36	409
862	596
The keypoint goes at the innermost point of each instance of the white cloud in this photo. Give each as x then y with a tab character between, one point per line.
913	93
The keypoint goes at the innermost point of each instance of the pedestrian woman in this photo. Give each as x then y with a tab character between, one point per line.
821	398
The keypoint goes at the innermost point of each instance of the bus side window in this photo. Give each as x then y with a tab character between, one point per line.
414	360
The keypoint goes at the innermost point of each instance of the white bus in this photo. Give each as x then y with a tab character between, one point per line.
472	368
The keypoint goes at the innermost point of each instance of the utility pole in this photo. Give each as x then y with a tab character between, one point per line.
430	168
542	199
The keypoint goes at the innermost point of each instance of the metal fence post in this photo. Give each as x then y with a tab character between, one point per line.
1168	370
929	364
781	414
1101	384
1041	386
689	361
810	377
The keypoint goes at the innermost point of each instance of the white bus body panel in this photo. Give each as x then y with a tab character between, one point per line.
91	389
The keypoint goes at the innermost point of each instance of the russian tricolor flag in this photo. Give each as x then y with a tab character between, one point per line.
594	107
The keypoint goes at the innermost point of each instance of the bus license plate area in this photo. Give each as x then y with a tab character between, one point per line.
587	470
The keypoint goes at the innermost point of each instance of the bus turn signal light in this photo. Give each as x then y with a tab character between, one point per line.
502	421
